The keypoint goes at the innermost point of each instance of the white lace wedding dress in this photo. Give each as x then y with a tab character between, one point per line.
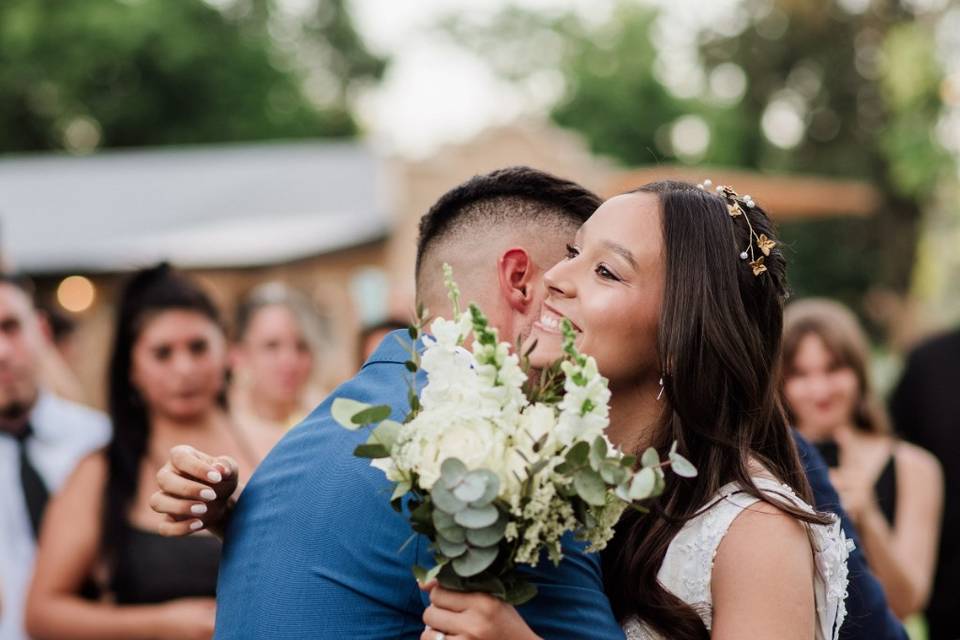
688	563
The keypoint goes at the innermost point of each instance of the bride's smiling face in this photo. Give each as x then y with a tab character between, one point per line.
610	287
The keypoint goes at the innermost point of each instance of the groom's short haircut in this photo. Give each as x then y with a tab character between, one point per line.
511	196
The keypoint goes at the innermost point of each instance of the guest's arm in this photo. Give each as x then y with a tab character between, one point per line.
66	556
903	556
868	615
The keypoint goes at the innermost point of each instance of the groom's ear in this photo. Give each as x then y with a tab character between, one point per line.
515	271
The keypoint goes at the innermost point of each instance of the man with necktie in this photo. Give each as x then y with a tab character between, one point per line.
41	439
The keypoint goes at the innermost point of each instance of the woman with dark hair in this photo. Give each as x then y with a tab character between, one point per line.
891	489
275	361
101	572
678	294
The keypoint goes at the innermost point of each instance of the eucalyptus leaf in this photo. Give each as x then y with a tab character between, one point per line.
520	592
442	519
673	447
474	561
612	472
650	458
682	467
628	461
642	485
598	452
452	472
424	576
590	486
371	451
343	409
491	488
488	536
451	549
487	584
386	434
372	415
578	454
402	489
454	533
476	518
444	499
661	482
471	488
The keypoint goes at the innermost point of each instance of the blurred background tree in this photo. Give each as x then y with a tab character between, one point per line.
849	88
119	73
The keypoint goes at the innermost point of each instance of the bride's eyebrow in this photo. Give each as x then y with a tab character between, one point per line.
623	252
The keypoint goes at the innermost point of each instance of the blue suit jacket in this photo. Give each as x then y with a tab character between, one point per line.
313	548
868	616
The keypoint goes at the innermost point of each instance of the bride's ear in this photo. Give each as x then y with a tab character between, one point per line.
515	272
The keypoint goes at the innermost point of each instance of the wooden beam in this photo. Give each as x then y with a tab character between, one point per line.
784	197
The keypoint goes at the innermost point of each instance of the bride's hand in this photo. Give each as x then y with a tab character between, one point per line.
453	615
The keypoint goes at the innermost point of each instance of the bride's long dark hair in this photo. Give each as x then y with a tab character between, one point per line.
719	348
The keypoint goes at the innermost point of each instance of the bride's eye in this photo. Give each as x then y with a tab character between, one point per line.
605	273
572	252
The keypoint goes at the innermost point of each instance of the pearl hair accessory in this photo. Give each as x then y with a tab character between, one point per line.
737	207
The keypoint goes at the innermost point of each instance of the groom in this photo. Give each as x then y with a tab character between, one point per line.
312	550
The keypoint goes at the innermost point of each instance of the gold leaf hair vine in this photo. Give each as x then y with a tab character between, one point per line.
737	207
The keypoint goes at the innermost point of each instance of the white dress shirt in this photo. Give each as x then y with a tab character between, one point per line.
63	432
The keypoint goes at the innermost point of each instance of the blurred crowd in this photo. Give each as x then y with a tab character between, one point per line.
79	540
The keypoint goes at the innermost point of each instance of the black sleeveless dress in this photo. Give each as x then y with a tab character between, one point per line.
150	568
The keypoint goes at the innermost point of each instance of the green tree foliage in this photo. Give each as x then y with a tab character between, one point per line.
117	73
865	88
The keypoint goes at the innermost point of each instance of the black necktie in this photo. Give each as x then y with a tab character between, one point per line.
34	490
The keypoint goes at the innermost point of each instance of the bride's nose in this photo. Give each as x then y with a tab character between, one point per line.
559	281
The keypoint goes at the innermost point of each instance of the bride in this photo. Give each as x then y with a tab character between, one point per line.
678	294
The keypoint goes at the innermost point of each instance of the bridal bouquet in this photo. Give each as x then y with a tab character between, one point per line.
496	468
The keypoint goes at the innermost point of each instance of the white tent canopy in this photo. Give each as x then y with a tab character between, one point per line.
224	206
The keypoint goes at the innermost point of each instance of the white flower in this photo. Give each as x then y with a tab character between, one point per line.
450	333
436	436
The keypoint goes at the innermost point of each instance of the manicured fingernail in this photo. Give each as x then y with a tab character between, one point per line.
214	476
199	509
208	494
196	525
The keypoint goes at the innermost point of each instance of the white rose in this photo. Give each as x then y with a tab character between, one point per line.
473	440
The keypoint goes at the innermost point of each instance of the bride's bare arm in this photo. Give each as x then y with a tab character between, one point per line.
762	583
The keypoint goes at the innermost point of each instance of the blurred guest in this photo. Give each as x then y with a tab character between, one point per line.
58	331
41	439
892	490
166	384
926	411
371	336
275	358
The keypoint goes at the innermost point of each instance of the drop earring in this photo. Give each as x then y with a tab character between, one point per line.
660	395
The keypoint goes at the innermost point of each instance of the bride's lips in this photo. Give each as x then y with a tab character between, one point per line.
550	320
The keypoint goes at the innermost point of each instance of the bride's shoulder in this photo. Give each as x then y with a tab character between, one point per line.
764	560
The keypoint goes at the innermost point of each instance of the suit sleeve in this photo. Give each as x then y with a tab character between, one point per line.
570	602
868	616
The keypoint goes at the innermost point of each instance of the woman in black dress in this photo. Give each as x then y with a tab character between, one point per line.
101	571
891	489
